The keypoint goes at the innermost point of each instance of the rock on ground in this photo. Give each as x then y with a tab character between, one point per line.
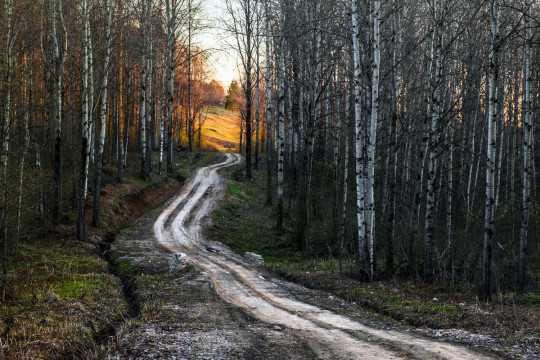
253	259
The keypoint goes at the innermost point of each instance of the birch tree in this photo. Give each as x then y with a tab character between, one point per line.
84	119
100	140
6	134
281	125
144	10
433	142
27	89
526	170
491	151
268	105
372	140
171	13
121	129
59	51
360	197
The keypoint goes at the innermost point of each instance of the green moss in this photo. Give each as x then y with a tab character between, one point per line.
126	230
528	299
82	284
126	267
444	309
237	190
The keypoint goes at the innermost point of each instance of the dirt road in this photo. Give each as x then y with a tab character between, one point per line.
333	336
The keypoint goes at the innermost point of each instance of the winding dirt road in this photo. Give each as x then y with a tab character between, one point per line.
179	228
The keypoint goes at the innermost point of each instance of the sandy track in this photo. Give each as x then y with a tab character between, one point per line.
179	228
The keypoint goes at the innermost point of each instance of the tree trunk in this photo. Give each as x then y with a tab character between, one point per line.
526	173
190	119
142	110
171	40
372	141
59	58
433	147
149	95
85	117
345	188
268	108
121	120
281	130
360	199
491	151
28	103
248	88
100	140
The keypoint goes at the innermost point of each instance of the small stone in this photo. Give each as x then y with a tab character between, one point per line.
53	298
461	304
253	259
177	262
277	328
434	299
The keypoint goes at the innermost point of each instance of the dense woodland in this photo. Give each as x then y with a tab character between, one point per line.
402	133
85	84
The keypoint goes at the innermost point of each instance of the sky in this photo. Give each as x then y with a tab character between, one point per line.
222	63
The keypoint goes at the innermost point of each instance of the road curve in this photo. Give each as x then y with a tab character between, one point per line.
179	228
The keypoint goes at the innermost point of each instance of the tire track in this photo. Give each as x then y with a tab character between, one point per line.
179	228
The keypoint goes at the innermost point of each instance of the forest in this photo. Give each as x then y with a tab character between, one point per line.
399	137
404	133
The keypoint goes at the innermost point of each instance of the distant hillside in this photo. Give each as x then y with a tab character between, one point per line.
221	129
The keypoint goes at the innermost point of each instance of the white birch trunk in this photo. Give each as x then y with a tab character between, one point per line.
258	88
58	61
90	106
527	142
162	117
171	9
268	106
491	151
84	120
433	147
372	141
281	130
359	145
100	143
144	68
4	151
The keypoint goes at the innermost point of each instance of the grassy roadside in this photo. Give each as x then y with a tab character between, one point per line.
244	223
64	302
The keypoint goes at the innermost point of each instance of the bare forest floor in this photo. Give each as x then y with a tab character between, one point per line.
508	325
65	302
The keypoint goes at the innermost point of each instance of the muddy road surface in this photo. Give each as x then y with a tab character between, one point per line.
179	228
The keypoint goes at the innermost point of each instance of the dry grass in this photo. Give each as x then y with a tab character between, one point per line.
90	302
221	128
